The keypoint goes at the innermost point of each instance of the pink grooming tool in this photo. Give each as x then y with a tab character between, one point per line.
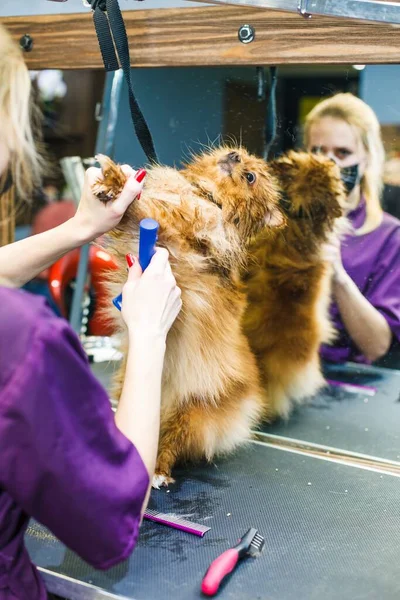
176	522
353	388
251	544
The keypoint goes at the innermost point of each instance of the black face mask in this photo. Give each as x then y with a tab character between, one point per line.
349	176
8	181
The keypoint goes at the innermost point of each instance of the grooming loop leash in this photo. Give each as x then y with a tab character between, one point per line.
113	42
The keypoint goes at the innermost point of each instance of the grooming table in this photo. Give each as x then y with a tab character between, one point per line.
351	421
332	531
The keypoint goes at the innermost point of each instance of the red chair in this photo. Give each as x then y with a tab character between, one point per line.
62	276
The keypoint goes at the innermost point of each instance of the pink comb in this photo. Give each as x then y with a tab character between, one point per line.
354	388
176	522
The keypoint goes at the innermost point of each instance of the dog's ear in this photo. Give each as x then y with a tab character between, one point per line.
284	170
292	171
310	178
323	184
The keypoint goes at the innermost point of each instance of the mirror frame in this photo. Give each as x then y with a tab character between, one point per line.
208	36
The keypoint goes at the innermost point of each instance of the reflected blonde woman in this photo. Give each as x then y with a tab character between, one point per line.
366	280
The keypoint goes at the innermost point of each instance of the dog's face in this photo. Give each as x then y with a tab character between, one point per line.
241	185
313	194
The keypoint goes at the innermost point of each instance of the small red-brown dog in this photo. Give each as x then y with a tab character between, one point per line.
288	281
207	213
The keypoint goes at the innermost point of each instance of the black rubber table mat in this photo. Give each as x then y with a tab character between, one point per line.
355	422
332	532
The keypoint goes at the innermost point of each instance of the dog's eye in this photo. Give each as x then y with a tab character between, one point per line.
251	178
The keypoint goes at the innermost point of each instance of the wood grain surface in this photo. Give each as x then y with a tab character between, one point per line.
209	36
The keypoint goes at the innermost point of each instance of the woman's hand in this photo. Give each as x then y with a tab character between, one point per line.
23	260
93	217
151	301
332	254
368	329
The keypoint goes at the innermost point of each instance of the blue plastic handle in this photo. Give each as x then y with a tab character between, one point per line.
147	241
148	232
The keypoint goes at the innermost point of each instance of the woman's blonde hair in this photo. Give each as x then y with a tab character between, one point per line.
18	117
366	126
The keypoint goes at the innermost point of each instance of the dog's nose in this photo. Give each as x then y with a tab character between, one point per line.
233	157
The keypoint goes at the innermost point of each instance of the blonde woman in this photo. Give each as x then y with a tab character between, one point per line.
65	458
366	279
20	162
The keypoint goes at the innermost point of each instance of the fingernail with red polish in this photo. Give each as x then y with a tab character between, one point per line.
140	175
130	259
138	196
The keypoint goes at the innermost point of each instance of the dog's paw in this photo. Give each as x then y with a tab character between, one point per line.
109	187
160	480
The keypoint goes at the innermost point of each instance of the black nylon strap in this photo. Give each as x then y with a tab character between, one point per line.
271	124
121	42
104	36
110	30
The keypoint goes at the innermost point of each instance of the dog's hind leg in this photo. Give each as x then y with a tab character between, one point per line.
203	430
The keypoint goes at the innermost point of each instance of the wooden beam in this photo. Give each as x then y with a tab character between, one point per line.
209	36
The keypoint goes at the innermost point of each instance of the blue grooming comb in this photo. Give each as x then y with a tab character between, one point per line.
148	229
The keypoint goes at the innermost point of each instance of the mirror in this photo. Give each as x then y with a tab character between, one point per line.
188	109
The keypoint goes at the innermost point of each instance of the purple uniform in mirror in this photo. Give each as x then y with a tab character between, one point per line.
373	262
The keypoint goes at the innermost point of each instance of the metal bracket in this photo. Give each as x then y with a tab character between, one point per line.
303	9
364	10
74	172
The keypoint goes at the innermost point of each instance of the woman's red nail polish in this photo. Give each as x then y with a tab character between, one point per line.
130	259
138	196
140	175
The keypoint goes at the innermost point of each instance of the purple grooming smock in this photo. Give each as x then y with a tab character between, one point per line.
373	262
63	461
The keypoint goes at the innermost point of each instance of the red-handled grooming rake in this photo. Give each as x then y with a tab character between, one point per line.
251	544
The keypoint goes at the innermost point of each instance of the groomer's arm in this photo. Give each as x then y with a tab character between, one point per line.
150	303
23	260
366	326
88	483
138	413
